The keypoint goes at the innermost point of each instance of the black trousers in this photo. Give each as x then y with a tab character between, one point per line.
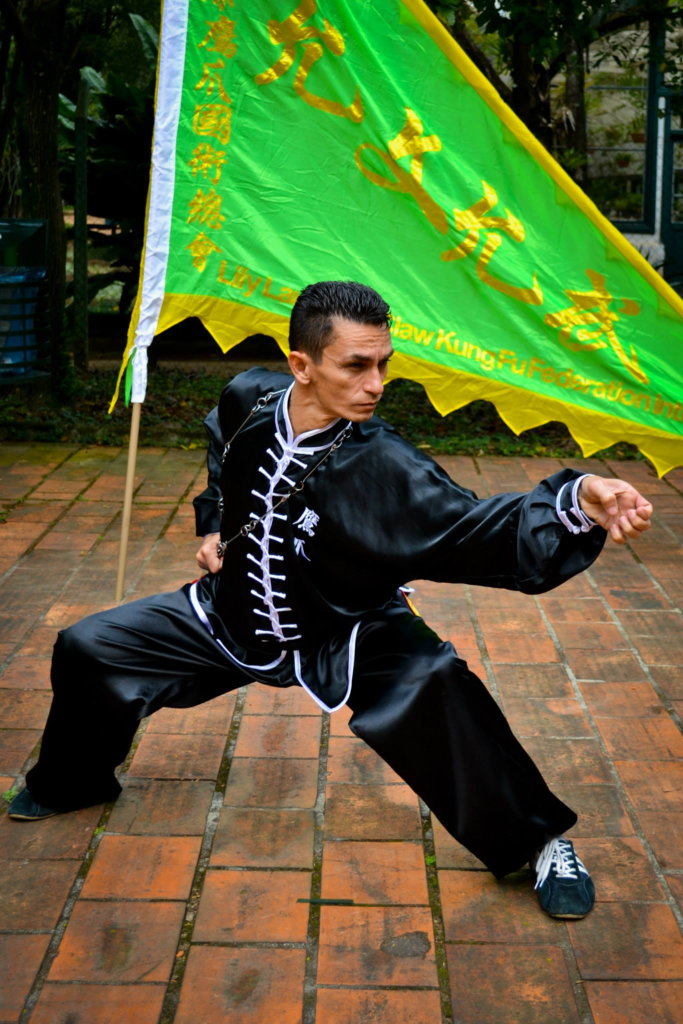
413	701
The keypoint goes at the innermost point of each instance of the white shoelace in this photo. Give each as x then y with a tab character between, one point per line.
558	853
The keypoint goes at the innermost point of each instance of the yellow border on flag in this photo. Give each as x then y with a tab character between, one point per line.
457	56
522	410
448	389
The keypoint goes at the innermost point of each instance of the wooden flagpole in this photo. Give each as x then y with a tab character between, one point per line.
128	497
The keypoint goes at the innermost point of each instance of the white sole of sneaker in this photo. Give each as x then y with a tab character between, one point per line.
28	817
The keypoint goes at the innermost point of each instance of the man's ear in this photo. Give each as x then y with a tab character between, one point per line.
300	364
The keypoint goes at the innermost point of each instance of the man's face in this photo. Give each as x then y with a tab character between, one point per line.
349	379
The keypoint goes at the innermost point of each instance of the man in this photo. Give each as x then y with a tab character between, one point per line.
326	514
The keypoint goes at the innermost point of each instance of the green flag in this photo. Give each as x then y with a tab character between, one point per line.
331	139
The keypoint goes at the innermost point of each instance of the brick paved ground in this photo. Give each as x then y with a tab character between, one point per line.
180	902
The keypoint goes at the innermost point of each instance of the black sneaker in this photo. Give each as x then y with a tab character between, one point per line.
25	808
565	889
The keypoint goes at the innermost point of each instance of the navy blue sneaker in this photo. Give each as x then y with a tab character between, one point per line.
565	889
25	808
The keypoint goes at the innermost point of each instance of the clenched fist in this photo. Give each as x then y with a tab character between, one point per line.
616	506
207	556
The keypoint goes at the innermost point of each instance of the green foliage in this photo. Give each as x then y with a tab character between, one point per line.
110	42
120	126
178	400
547	28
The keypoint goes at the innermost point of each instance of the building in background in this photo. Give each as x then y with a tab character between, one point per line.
634	120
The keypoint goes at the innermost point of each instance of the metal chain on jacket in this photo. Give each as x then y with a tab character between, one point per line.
249	527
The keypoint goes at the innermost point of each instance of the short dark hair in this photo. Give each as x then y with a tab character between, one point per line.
312	320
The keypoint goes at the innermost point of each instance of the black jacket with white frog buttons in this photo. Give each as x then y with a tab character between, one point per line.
376	514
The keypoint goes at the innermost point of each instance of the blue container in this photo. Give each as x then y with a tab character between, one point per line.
21	313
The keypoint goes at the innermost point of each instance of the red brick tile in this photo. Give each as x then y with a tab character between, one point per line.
376	946
264	839
676	885
15	745
532	681
64	614
669	680
275	700
351	760
6	783
641	739
166	756
674	590
24	709
20	960
162	807
374	872
607	666
635	1002
278	736
553	717
641	597
15	627
142	867
504	647
99	1004
534	987
41	642
622	700
664	832
568	761
76	541
657	650
119	942
621	870
585	609
253	906
450	853
89	523
166	807
270	782
600	810
354	1006
63	837
628	941
34	892
339	722
372	812
653	785
212	718
242	986
601	636
646	623
477	908
27	674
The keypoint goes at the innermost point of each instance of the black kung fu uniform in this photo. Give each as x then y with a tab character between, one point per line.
311	597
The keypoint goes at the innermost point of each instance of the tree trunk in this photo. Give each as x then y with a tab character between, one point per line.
45	26
576	133
531	93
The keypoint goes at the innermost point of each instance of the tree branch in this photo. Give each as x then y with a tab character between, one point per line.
16	27
479	58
